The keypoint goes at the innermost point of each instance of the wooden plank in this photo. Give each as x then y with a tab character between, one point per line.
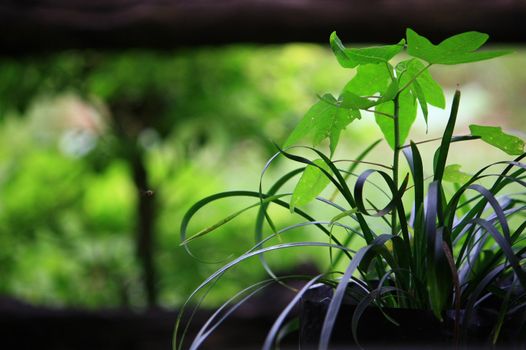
29	27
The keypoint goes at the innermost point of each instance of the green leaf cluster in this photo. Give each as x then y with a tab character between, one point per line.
378	86
392	92
452	249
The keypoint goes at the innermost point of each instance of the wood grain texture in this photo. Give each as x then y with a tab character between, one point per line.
39	26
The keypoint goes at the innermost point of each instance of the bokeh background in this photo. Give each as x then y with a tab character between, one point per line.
77	126
102	150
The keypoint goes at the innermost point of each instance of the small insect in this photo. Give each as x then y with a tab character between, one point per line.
147	193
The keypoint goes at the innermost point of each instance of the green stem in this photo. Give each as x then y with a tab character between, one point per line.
396	155
381	113
414	78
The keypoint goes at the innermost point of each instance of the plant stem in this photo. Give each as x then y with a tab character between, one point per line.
414	78
396	154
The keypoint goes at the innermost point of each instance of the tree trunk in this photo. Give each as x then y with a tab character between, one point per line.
145	240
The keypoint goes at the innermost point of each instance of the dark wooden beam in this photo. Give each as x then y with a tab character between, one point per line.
39	26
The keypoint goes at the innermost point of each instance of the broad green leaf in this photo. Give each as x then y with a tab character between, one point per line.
312	182
369	79
390	93
452	173
407	115
350	58
433	92
349	99
494	135
431	89
454	50
325	119
413	74
417	91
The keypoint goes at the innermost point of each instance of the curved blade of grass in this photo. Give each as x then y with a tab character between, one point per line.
204	333
343	214
230	217
480	237
499	212
502	311
193	210
470	252
216	275
452	206
339	255
309	162
340	184
374	184
334	306
506	249
359	190
375	208
356	162
289	328
456	284
273	190
446	139
263	214
363	305
396	201
259	245
414	160
481	286
179	318
269	341
458	138
438	279
462	226
198	205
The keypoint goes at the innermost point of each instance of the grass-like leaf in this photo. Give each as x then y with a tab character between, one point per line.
446	139
334	306
272	335
458	245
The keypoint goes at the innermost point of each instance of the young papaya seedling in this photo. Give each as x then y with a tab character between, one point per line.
459	245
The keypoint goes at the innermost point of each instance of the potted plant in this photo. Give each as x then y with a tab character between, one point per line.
449	250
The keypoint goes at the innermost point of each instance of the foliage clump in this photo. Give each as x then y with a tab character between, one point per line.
453	247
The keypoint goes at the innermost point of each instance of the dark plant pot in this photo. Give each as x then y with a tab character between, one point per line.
418	329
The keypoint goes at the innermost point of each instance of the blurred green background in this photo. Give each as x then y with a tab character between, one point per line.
91	141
